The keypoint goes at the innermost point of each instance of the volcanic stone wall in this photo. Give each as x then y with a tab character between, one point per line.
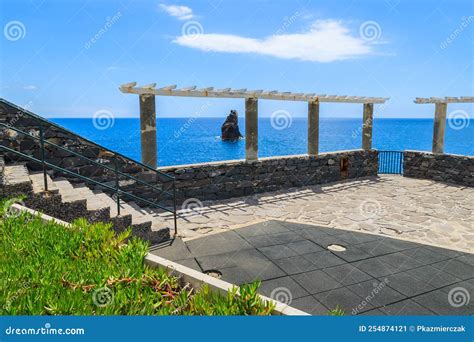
447	168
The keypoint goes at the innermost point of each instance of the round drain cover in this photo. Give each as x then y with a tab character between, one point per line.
214	273
336	248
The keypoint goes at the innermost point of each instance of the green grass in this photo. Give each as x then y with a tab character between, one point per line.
48	269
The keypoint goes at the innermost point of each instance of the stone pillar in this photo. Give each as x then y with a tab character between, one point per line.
439	127
251	129
313	128
148	130
367	126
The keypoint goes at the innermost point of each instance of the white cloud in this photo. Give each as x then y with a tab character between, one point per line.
326	41
30	87
180	12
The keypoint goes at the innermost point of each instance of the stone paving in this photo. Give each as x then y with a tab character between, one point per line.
418	210
372	275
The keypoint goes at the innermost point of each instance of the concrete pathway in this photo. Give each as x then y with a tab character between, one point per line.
391	205
366	274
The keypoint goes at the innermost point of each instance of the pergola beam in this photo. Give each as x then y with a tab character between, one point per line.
131	88
447	99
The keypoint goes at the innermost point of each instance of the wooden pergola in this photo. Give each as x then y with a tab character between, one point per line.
441	105
147	95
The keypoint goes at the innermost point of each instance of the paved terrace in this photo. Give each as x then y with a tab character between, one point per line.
374	275
409	243
391	205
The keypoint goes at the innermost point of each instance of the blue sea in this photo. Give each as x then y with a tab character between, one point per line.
197	140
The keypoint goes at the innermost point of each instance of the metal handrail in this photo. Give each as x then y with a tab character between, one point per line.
114	170
50	123
118	191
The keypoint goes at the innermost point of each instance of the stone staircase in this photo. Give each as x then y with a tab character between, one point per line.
67	201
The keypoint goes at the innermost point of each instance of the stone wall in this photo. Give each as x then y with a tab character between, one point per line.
228	179
447	168
206	181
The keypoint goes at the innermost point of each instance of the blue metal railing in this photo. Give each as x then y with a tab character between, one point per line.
391	162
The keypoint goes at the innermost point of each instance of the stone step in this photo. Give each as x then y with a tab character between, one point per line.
142	223
37	182
75	204
47	202
159	230
16	180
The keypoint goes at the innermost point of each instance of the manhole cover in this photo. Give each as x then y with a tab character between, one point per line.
336	248
214	273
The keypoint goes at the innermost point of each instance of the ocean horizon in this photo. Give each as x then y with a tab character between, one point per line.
197	139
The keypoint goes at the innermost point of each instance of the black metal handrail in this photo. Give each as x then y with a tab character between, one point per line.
117	190
50	123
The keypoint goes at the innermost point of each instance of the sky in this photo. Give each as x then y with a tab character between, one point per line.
68	58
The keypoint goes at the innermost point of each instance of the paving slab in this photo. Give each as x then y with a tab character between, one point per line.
231	259
435	276
174	250
191	263
347	274
406	307
401	261
218	244
376	267
310	305
345	299
262	228
296	264
251	272
324	259
444	304
316	281
377	248
354	253
352	238
456	268
376	292
273	239
425	255
283	289
406	284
